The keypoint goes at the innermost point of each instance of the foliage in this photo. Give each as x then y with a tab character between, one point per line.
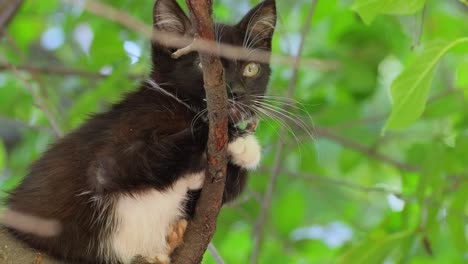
348	195
411	88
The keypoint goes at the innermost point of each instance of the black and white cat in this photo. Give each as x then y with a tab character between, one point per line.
124	182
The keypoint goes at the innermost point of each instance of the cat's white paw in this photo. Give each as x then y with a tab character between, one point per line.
245	152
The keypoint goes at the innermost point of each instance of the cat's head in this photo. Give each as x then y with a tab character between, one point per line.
246	80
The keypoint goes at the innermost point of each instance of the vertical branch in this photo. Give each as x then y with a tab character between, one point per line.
202	227
275	171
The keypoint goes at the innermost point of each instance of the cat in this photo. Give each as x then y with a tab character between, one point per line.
125	182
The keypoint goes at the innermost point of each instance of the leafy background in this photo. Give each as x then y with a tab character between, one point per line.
382	180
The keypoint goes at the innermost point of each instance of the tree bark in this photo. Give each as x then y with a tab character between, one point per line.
202	227
13	251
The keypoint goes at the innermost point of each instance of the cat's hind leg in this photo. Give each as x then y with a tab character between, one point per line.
175	234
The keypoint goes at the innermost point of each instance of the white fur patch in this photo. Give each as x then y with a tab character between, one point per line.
143	220
245	152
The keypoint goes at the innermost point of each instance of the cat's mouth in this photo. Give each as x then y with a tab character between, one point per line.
243	119
237	115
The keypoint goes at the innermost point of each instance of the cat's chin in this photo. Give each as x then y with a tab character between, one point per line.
245	121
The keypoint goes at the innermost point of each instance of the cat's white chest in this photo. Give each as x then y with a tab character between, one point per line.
142	220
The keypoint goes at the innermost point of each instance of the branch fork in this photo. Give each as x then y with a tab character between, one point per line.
184	51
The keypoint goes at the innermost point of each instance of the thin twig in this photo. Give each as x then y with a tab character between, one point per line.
8	10
214	252
183	51
341	183
275	171
61	71
344	183
207	46
369	152
39	101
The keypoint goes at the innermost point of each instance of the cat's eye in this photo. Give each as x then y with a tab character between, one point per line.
252	69
200	65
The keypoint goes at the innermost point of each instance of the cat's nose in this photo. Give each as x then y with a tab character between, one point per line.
237	91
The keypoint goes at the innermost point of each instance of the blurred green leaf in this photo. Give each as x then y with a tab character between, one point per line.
410	89
369	9
462	76
291	206
456	218
374	249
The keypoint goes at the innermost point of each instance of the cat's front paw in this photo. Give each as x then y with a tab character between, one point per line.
245	152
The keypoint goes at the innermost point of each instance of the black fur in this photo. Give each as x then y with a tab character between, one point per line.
145	141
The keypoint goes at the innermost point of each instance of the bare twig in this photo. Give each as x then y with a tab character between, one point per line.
370	152
183	51
214	252
61	71
8	9
39	101
202	227
343	183
202	45
266	202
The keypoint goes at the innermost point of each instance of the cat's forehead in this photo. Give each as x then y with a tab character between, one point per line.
229	34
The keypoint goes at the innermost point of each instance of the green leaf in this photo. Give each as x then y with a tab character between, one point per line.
291	206
369	9
461	76
455	218
410	89
374	249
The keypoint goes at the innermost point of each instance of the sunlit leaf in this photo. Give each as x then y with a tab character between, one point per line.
410	89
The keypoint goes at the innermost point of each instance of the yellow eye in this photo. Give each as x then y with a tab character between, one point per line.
251	69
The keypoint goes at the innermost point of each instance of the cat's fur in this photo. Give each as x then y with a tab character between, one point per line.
112	188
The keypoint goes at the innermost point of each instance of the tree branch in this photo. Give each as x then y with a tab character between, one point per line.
13	251
214	252
8	9
60	71
343	183
370	152
202	44
275	171
202	227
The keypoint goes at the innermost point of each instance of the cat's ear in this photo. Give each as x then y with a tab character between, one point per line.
169	16
259	24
